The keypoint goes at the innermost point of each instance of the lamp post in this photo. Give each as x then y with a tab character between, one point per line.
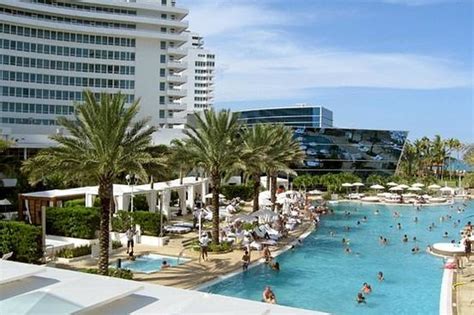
132	180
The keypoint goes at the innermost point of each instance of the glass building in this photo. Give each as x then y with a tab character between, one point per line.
297	116
329	149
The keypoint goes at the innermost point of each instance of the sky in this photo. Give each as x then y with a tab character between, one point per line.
390	64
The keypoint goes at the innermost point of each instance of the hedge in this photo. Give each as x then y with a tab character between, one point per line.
149	221
24	240
79	222
74	252
116	273
245	192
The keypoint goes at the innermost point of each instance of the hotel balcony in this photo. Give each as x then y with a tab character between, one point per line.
178	52
176	106
177	79
176	92
177	65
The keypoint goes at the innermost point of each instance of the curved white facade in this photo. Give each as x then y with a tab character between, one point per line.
50	51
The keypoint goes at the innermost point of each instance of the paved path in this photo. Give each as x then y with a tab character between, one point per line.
464	290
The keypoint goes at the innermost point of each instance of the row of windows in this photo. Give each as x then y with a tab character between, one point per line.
50	94
65	80
201	99
28	121
86	7
37	108
62	19
200	78
201	85
198	71
204	64
65	65
200	92
66	37
66	51
208	56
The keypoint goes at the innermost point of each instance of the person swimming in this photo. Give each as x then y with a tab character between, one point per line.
405	238
380	276
358	222
415	250
347	250
366	288
399	226
416	220
268	296
376	212
360	298
364	219
385	241
445	235
414	239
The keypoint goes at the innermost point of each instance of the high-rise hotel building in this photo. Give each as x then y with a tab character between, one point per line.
51	50
199	73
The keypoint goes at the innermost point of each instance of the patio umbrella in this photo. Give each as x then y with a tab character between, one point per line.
377	187
357	185
346	185
5	202
391	184
418	185
434	186
396	188
414	188
403	186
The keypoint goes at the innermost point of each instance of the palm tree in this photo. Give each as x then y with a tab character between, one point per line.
256	154
452	144
284	152
181	158
104	142
213	141
438	154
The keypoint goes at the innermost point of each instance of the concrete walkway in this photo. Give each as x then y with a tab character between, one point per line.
463	289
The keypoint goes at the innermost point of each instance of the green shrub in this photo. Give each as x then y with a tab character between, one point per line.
219	248
327	196
24	240
75	203
248	226
233	191
79	222
116	244
148	221
74	252
113	272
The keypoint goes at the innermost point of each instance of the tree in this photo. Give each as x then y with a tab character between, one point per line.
375	179
213	141
469	154
256	154
285	152
104	142
181	158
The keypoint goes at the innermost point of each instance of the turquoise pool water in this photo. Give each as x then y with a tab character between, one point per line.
319	275
151	263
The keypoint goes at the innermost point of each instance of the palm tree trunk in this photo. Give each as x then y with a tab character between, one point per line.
215	205
268	181
273	184
256	191
105	195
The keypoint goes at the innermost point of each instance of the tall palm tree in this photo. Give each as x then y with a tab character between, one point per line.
256	154
103	142
438	154
452	144
409	157
213	141
285	151
181	158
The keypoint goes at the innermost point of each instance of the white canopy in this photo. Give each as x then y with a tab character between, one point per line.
358	184
414	188
392	184
396	188
418	185
346	185
5	202
434	186
377	187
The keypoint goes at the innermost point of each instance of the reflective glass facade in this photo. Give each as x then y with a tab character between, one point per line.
292	116
353	150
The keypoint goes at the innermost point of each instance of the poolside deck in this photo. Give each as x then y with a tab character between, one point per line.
464	292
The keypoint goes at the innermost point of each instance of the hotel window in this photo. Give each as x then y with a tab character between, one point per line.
162	100
162	58
162	72
162	86
162	113
163	45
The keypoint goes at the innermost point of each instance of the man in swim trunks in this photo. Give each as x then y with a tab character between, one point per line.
245	261
267	254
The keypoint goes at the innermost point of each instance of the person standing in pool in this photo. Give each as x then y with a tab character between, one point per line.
380	276
360	298
268	296
130	234
245	261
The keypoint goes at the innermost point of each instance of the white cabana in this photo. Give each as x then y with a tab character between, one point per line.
377	187
391	184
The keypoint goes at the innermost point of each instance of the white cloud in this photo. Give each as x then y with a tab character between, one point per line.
260	56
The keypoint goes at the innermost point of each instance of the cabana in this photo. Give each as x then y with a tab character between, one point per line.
188	189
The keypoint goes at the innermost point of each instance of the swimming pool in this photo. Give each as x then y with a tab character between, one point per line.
321	276
151	263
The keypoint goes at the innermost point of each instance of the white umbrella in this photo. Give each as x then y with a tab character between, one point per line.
315	192
358	184
346	185
396	188
414	188
5	202
403	186
418	185
392	184
210	196
377	187
434	186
